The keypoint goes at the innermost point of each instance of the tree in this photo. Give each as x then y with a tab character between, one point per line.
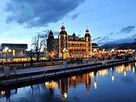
39	43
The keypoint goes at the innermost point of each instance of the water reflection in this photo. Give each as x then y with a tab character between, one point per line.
61	90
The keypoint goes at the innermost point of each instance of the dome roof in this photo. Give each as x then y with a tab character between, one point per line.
63	32
87	30
74	35
62	27
87	33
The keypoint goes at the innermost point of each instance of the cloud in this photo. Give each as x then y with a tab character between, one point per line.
40	12
127	29
110	37
103	40
75	16
98	38
129	39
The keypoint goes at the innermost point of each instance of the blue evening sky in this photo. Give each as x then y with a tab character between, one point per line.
108	20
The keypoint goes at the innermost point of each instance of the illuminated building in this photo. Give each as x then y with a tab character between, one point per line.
16	50
95	47
74	46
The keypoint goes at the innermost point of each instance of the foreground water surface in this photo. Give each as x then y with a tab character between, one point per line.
117	84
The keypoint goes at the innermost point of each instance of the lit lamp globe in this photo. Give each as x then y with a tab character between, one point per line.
112	50
95	50
6	49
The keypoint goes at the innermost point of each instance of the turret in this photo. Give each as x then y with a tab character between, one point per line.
63	30
88	40
63	38
87	35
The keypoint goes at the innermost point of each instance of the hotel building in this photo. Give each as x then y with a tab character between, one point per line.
71	46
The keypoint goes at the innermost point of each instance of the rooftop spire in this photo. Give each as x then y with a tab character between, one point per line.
63	27
87	30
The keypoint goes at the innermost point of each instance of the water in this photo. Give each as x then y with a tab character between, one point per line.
116	84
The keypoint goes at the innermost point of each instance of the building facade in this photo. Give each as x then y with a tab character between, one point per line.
71	46
14	50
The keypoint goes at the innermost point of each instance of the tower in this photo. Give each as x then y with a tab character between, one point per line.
63	38
88	43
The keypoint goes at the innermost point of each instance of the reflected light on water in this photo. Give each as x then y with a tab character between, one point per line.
113	78
51	84
91	74
102	72
64	87
125	73
133	70
65	95
120	69
2	92
95	85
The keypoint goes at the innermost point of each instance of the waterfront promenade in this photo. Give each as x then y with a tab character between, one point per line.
39	69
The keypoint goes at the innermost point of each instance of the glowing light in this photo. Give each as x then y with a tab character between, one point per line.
112	50
113	78
95	85
2	92
91	74
74	77
133	70
125	73
13	52
65	95
102	72
51	84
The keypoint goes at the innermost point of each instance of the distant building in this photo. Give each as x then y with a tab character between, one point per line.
71	46
15	50
95	47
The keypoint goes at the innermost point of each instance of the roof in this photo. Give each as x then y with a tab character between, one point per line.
63	32
95	44
14	46
87	35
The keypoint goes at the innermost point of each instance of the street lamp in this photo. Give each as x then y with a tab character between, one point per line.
64	50
6	50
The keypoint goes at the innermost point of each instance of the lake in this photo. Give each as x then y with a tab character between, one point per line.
117	84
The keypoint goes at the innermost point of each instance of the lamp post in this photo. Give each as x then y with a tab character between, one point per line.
63	51
112	51
6	50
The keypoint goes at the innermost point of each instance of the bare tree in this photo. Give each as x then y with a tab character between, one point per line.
39	44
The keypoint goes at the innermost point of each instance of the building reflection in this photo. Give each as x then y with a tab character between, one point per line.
8	93
126	68
65	84
102	72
